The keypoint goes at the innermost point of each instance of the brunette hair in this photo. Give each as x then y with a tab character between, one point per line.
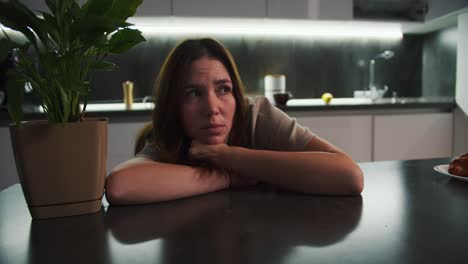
165	133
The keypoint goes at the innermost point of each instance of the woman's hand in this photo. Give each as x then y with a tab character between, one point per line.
213	155
219	157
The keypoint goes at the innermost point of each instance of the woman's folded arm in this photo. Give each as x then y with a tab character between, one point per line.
141	180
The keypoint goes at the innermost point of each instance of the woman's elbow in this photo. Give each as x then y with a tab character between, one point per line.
115	191
355	180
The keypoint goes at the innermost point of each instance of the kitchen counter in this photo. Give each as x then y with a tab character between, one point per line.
408	213
441	103
142	111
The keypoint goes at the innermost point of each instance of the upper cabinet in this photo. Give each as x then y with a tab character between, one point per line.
154	8
439	8
390	10
147	7
219	8
298	9
405	10
310	9
396	10
334	9
288	9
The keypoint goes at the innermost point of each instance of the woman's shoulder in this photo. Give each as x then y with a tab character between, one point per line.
274	129
260	104
258	101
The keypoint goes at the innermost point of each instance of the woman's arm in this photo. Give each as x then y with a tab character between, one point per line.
141	180
320	169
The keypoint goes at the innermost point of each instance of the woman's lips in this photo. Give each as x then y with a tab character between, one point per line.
214	129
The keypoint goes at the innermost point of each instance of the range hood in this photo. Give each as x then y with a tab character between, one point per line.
414	10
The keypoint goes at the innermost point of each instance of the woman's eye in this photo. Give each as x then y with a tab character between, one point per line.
192	93
224	89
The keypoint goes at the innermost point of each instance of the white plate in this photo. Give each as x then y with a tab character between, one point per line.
444	170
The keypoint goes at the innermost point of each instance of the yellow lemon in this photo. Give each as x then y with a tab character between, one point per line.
326	97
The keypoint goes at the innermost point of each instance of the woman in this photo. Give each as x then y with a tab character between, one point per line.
206	135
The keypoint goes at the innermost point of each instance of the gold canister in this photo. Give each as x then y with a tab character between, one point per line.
128	94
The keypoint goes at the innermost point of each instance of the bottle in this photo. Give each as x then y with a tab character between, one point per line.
394	97
128	94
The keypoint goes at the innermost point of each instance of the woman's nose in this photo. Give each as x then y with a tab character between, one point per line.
212	104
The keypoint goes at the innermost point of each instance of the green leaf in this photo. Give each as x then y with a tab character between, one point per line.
18	17
74	12
63	8
97	7
123	9
125	39
15	90
64	102
103	65
6	46
52	5
70	41
49	19
49	22
91	28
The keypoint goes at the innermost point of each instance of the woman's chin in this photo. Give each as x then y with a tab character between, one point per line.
214	140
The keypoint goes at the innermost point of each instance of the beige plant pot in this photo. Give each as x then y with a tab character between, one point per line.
61	167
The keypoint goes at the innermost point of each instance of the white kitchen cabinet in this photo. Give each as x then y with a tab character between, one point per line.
121	142
311	9
364	136
413	136
460	128
219	8
351	133
8	174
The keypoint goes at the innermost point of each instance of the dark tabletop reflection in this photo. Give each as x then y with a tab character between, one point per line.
408	213
76	239
240	226
437	217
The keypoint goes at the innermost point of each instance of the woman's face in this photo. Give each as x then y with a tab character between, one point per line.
208	103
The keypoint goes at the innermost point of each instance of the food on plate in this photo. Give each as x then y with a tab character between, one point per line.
459	166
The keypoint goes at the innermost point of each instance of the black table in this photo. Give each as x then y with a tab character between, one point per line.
408	213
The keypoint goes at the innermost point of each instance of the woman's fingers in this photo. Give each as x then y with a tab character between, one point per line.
208	153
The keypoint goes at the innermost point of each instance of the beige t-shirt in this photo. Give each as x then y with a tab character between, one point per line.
270	129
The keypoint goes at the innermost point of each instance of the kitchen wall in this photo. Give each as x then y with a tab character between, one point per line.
423	65
439	62
311	66
461	92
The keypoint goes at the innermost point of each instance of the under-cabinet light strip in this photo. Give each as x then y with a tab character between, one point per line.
278	28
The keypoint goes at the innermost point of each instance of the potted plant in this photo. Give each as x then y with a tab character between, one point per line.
61	161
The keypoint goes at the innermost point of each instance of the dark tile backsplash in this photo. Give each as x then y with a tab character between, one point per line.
311	66
439	62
